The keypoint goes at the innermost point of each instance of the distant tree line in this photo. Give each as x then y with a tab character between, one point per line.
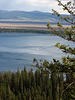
25	31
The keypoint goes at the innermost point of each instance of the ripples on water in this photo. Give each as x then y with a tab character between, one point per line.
19	49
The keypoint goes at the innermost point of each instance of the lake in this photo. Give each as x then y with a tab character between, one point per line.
18	49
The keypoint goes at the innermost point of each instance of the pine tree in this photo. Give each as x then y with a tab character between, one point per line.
67	33
62	88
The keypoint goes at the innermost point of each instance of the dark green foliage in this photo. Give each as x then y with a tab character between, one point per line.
67	67
62	76
25	31
25	85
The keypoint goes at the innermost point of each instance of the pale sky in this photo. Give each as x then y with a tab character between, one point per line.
31	5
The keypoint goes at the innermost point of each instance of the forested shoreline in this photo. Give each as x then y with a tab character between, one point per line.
25	31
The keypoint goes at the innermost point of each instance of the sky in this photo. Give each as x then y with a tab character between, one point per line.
32	5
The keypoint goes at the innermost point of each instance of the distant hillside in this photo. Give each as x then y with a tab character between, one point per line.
34	15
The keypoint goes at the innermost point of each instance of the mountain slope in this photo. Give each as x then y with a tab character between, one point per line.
34	15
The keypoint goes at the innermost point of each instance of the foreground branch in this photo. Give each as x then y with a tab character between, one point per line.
68	87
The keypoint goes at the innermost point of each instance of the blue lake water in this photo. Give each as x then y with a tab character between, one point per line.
19	49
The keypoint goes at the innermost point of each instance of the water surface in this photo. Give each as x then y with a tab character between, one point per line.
19	49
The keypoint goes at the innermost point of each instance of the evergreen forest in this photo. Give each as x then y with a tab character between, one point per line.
53	80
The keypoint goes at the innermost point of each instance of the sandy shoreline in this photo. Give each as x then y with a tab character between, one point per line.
25	26
21	26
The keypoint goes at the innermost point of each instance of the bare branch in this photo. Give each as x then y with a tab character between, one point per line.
66	8
68	87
